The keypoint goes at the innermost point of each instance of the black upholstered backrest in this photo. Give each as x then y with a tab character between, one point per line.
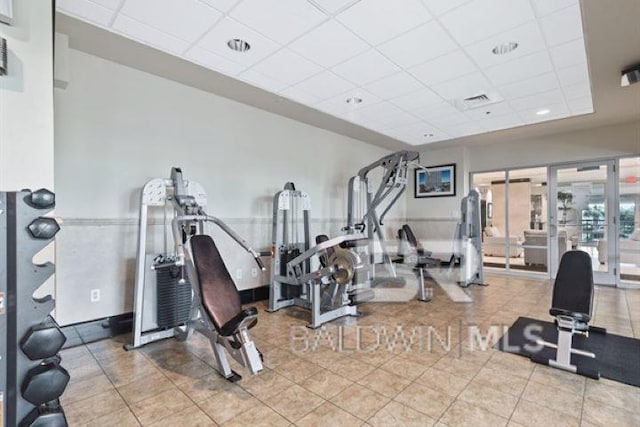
220	298
411	238
573	288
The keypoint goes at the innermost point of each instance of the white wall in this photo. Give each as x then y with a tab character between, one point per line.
26	99
26	107
117	127
597	143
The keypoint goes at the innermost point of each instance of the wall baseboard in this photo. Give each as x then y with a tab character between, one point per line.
109	327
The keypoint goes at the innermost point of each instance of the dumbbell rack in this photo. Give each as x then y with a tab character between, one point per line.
31	378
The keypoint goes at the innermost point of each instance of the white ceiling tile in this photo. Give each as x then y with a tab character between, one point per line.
568	54
556	111
537	101
464	129
333	6
433	136
375	112
542	83
394	85
444	68
501	122
480	19
439	7
419	45
377	21
574	74
109	4
338	105
397	121
149	35
329	44
262	81
520	69
222	5
416	99
228	29
545	7
299	95
562	26
280	20
582	105
366	68
493	110
463	87
213	61
187	19
435	111
325	85
287	66
528	37
578	90
421	130
86	10
449	122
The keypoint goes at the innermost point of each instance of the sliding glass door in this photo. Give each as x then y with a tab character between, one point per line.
514	220
582	208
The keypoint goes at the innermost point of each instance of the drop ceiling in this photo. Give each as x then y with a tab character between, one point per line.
411	63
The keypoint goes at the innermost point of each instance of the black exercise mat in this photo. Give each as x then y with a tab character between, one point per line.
617	357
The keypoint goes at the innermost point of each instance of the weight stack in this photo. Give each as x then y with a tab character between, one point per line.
173	298
31	378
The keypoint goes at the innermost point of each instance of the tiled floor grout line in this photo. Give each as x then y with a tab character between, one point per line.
501	312
521	394
114	387
173	384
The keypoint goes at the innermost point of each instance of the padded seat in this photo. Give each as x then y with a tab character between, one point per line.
573	287
424	256
220	298
581	317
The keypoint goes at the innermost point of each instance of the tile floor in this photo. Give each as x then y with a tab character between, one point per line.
170	383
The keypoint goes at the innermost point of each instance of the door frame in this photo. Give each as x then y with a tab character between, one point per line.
612	276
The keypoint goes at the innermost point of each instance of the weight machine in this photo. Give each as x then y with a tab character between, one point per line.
194	273
318	278
365	204
468	242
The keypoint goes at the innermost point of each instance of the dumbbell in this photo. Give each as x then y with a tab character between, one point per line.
50	415
45	382
43	340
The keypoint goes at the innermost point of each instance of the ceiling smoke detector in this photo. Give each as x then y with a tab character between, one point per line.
238	45
504	48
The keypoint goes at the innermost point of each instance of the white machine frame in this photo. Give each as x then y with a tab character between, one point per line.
189	201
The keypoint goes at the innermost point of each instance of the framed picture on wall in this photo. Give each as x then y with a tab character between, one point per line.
436	181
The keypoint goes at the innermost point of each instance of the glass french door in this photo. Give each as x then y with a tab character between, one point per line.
582	212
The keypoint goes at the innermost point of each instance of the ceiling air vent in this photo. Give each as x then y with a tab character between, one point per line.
477	101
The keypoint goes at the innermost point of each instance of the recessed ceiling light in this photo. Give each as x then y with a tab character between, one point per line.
543	112
503	48
238	45
354	100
